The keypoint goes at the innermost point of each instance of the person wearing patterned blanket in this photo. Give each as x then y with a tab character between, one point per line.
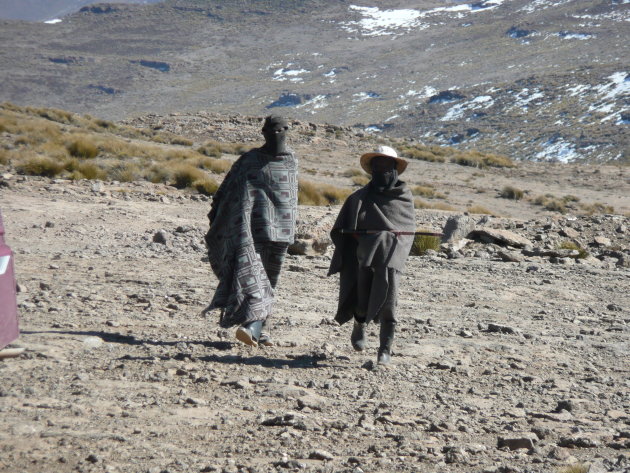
373	235
252	223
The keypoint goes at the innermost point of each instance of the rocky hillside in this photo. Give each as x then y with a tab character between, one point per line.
533	79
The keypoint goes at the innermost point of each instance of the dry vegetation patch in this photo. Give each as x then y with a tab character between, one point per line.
56	143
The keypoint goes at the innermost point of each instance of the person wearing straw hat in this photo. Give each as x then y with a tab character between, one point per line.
373	235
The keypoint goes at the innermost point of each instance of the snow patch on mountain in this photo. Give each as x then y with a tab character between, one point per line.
558	150
457	111
292	75
377	22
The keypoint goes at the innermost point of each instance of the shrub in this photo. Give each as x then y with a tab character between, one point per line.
211	148
352	172
421	153
513	193
360	180
422	243
185	175
597	208
427	191
421	204
125	172
550	202
207	185
576	468
571	245
477	159
82	147
310	193
35	165
91	170
217	166
478	209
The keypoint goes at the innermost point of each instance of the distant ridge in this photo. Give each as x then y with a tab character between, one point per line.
535	80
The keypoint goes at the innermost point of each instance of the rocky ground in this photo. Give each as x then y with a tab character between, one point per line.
512	354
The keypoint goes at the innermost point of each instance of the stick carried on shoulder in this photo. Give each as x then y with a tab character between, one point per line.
395	232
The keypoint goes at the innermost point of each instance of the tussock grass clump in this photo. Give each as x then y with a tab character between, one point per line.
423	243
310	193
86	170
576	468
597	208
37	165
422	204
207	185
217	166
184	175
510	192
211	148
360	180
571	245
427	191
551	202
171	138
482	160
479	209
82	146
352	172
423	153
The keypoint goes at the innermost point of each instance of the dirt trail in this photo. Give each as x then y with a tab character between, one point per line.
122	374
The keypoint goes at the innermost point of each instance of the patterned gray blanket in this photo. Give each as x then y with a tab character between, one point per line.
256	203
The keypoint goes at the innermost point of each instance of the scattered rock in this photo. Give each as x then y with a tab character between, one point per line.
506	237
525	441
161	236
321	455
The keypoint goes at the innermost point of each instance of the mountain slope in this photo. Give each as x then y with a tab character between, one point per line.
535	79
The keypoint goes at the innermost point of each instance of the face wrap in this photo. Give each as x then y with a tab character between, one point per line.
384	173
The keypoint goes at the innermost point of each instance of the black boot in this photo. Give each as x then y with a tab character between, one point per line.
249	333
386	339
265	338
358	335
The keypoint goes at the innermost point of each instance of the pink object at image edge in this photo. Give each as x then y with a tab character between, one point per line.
9	330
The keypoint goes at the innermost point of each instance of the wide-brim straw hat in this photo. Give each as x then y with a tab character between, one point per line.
386	151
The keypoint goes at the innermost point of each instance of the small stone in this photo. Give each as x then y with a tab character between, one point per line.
160	237
569	232
601	241
92	342
321	455
515	443
495	328
49	225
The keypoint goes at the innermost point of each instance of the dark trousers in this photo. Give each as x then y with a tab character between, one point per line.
370	294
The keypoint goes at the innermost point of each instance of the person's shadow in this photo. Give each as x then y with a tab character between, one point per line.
293	361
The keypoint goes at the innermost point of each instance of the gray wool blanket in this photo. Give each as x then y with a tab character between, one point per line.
368	209
256	203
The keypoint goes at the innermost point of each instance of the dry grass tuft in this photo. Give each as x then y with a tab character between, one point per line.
422	204
478	209
427	191
423	243
576	468
37	165
362	180
310	193
352	172
597	208
510	192
82	146
571	245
